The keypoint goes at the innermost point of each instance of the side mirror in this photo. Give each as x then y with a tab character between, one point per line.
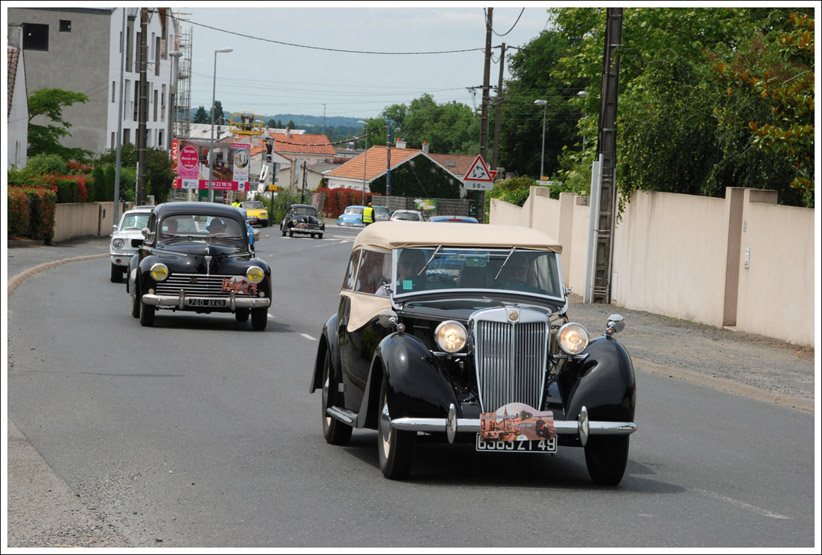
144	231
387	318
616	323
114	228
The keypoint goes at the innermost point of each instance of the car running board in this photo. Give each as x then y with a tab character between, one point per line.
343	415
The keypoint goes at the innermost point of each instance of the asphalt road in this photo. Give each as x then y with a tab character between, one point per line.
199	432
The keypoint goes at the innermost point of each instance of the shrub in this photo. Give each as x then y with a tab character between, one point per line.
337	199
66	190
42	205
18	218
43	164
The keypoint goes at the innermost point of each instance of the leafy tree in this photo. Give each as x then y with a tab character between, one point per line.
778	76
450	128
217	112
271	123
42	164
201	116
45	139
159	174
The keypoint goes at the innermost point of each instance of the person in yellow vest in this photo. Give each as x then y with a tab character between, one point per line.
368	215
236	203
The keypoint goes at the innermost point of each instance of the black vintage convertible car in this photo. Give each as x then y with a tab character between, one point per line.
302	218
461	331
196	257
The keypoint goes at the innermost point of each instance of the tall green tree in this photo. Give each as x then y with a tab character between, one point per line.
159	173
450	128
45	139
201	116
217	112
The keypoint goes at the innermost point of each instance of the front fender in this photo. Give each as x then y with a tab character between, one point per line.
416	387
329	342
131	277
606	385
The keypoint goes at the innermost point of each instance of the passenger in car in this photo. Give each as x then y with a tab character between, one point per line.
410	263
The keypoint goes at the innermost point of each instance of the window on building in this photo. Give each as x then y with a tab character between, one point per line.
129	47
155	104
113	90
126	136
35	36
156	55
65	26
136	100
127	99
160	139
113	138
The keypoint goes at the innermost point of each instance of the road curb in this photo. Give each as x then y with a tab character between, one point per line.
17	279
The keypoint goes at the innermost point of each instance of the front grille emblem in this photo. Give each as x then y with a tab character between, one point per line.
193	280
513	314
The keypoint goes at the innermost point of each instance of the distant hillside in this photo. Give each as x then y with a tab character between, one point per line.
303	121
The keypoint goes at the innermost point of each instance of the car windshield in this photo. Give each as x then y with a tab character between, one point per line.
252	205
134	221
305	211
180	227
353	210
411	216
430	269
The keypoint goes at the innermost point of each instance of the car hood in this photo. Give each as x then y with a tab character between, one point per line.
198	249
306	219
128	234
256	212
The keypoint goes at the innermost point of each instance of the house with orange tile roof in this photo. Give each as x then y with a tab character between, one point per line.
373	165
294	149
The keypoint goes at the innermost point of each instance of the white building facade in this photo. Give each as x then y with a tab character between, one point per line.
79	49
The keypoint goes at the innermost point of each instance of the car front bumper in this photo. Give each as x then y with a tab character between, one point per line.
181	301
582	427
121	258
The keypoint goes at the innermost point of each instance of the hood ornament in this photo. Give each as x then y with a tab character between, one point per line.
513	314
208	263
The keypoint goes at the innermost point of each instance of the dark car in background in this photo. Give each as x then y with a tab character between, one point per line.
196	257
461	332
302	218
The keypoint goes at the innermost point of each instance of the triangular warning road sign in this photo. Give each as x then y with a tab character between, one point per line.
479	171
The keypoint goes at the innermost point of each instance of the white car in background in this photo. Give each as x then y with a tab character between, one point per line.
126	238
407	215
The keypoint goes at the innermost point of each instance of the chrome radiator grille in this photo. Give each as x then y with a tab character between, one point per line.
193	285
511	357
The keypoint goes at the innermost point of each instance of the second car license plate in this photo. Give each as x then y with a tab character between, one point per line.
208	303
518	445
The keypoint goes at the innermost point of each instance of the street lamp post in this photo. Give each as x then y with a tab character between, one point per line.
211	143
365	163
544	104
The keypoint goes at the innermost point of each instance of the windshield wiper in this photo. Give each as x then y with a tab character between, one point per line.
439	248
504	262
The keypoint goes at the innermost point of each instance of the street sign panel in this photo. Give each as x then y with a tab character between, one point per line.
478	185
479	172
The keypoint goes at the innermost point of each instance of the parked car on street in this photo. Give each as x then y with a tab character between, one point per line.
407	215
351	216
196	257
462	333
126	237
256	212
457	219
302	218
381	213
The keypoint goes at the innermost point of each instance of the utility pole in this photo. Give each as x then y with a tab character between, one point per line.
498	112
388	161
606	151
486	77
140	196
123	42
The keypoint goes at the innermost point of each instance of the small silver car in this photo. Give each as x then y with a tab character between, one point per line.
125	239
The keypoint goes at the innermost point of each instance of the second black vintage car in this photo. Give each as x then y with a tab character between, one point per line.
302	218
196	257
461	331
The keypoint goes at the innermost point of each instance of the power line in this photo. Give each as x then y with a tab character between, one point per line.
324	48
512	26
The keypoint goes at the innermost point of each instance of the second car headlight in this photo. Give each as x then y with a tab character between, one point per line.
573	338
159	271
451	336
118	243
255	274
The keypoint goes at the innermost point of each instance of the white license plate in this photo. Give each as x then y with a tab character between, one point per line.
518	445
207	303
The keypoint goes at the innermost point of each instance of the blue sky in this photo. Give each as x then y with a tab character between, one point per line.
268	77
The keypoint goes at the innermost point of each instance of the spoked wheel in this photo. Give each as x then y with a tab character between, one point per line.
259	318
606	458
334	431
241	314
395	447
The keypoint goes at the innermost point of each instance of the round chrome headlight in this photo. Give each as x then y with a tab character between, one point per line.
159	271
451	336
573	338
118	243
255	274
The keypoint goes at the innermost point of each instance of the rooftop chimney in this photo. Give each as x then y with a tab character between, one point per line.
288	132
425	147
400	143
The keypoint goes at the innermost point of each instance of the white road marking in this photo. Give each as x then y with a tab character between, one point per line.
307	336
741	504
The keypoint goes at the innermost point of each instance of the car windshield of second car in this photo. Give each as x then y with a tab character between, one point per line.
534	272
197	226
305	211
134	221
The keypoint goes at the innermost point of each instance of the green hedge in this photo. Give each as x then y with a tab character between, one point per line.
18	222
31	212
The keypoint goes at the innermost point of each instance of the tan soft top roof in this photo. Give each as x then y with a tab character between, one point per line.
386	236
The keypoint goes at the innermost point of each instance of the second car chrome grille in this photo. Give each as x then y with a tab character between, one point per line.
510	356
193	285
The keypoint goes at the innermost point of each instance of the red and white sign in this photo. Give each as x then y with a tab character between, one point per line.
479	177
175	155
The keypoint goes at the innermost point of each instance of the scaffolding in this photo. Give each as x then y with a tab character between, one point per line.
182	110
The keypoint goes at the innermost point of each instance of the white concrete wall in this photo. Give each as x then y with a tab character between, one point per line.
776	286
684	256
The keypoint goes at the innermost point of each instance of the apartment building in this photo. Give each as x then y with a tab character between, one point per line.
79	49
